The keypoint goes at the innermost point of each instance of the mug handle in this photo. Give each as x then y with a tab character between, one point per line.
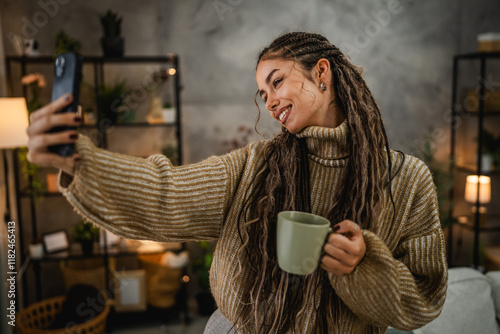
330	230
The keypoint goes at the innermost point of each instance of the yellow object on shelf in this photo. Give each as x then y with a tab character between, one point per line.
163	283
492	258
89	271
52	186
488	42
491	101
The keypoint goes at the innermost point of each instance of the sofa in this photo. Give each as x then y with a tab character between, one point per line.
472	305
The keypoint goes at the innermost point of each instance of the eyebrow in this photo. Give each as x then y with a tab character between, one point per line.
268	79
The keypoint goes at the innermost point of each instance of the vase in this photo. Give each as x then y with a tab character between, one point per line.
112	47
155	112
168	115
486	162
52	186
87	247
36	251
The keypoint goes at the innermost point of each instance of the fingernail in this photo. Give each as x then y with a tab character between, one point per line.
67	97
78	119
336	228
73	136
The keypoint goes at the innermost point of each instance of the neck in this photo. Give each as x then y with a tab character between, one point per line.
334	114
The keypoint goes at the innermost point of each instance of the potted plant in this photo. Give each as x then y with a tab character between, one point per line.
86	233
36	248
168	113
110	100
201	267
35	82
112	43
442	174
159	111
31	173
171	151
66	43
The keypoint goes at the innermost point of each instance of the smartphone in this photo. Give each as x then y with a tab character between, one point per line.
67	79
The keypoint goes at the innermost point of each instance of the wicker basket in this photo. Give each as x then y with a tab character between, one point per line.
163	282
38	316
84	271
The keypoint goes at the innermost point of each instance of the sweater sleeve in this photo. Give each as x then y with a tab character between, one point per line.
147	198
406	288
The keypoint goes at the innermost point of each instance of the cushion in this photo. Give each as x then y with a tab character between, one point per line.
494	277
468	308
218	323
391	330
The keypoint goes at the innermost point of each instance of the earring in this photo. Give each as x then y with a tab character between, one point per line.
322	86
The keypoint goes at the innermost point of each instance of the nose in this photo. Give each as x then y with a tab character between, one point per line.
272	102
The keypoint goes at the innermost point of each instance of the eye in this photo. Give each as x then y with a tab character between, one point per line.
277	82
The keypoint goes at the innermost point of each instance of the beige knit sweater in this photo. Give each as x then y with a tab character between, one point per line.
401	282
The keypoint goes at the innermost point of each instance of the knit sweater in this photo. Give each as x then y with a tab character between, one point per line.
401	282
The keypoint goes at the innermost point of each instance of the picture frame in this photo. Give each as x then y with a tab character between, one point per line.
130	290
54	242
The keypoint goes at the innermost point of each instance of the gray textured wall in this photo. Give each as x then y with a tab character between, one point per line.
405	48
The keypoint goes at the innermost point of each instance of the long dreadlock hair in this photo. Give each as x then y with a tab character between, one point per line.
273	299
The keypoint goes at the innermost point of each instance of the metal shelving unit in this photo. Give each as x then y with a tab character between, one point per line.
481	115
98	63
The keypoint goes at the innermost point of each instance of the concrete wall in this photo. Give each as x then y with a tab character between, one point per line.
405	48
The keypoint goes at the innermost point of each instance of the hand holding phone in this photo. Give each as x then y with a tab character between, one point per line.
67	79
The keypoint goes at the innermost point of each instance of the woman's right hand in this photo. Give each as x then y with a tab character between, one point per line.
39	140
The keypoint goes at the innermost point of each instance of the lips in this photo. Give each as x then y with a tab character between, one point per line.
282	114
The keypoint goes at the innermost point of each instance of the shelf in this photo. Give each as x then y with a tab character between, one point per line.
482	59
169	58
99	64
130	250
478	55
485	113
471	169
131	125
46	194
471	227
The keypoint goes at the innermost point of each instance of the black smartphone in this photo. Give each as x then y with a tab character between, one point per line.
67	79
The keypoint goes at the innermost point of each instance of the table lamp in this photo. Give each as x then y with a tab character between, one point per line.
472	184
13	124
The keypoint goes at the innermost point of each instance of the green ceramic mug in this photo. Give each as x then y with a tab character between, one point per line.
300	240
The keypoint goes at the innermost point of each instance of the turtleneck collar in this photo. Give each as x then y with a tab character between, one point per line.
327	146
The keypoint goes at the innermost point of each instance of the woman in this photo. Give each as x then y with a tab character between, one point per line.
384	265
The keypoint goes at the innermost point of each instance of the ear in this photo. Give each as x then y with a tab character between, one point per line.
323	72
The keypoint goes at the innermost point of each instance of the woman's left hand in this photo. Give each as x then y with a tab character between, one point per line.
344	248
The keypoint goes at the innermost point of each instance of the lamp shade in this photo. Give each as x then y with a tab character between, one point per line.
13	122
484	189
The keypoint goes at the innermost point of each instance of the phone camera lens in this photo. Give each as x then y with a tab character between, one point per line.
59	66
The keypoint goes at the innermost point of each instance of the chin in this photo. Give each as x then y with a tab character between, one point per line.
293	129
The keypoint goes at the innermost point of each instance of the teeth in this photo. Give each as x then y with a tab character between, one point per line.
282	115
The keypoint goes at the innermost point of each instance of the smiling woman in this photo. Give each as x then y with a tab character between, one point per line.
383	264
295	100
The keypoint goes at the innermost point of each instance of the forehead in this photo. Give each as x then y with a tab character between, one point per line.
267	66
